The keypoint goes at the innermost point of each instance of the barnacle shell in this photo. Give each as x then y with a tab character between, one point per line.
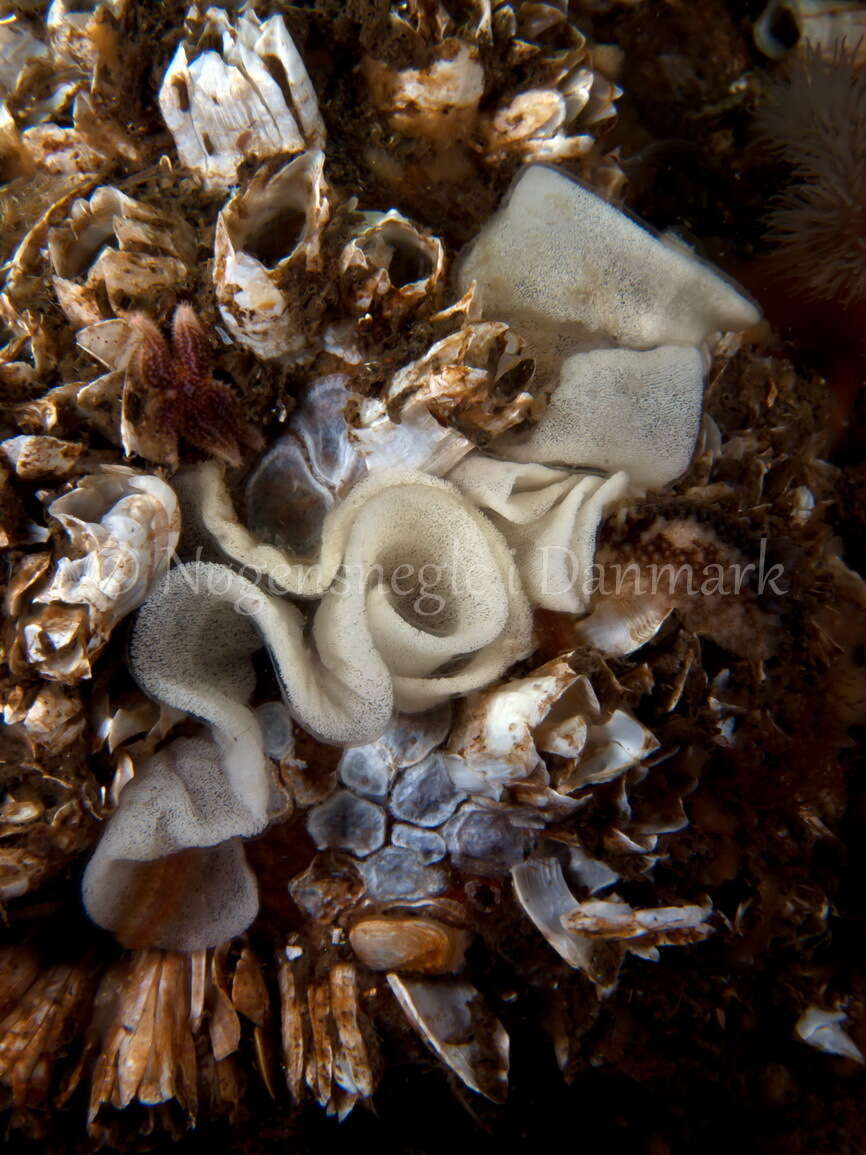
41	458
151	260
17	47
254	99
417	441
492	742
325	1040
394	874
438	102
346	822
823	1030
52	720
539	124
618	626
305	472
368	770
489	837
420	945
543	893
266	237
451	1018
458	376
612	746
390	265
611	918
126	526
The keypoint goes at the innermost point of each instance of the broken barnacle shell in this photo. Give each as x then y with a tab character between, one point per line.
424	794
472	380
388	266
438	102
501	734
369	770
48	84
489	837
455	1023
115	254
427	844
83	31
643	930
146	1047
43	1004
36	458
169	870
619	626
52	719
492	742
824	1031
46	822
346	822
554	110
121	529
268	240
17	46
613	745
251	100
415	945
327	1043
680	562
416	441
594	935
393	874
468	379
544	895
561	120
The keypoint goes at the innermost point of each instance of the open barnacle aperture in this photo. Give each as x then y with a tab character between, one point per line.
385	722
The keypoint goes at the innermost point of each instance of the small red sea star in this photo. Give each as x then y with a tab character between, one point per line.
180	396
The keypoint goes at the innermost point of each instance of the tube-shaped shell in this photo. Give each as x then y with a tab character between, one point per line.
268	236
421	945
390	265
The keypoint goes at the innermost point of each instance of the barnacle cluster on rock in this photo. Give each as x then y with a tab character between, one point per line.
369	634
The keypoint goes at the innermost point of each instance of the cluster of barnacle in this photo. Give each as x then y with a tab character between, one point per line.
396	551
